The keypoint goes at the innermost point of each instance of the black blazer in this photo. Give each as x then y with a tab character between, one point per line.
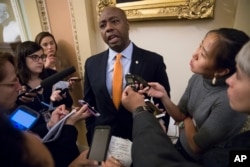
147	64
151	145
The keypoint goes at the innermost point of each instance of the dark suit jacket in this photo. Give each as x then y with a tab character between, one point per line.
152	147
146	64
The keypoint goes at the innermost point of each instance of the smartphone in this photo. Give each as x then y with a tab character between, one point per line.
62	90
100	143
28	91
134	81
23	118
93	111
157	113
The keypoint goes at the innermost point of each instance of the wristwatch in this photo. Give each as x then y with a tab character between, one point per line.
141	109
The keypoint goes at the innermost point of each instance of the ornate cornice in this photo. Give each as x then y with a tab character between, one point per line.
43	14
75	37
104	3
163	9
197	9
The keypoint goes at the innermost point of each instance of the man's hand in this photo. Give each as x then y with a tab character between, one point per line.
131	99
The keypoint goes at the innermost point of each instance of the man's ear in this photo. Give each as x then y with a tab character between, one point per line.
127	22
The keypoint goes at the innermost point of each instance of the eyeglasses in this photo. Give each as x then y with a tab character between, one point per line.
37	57
14	84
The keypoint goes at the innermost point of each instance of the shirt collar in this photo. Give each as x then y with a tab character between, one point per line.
127	53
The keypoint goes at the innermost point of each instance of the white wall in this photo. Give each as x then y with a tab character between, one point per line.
242	16
176	40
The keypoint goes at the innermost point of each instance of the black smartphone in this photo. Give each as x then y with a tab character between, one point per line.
100	143
62	90
135	80
93	111
157	113
24	118
28	91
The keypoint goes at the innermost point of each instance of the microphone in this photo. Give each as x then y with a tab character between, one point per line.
51	80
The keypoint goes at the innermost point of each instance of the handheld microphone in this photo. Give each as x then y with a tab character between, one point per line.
51	80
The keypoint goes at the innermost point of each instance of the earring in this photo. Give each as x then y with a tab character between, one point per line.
214	80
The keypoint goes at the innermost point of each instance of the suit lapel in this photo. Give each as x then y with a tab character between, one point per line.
102	66
137	60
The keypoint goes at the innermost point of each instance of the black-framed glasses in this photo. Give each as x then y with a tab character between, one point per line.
37	57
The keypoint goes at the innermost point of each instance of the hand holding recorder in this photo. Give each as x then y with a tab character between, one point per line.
136	82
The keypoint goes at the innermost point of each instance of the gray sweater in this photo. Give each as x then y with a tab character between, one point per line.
209	107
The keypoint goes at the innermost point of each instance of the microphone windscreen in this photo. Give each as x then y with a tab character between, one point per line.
51	80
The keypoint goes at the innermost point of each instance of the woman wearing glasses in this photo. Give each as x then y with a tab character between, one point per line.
31	71
25	149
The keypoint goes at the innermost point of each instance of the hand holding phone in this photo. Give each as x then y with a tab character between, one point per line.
62	90
30	93
135	81
93	111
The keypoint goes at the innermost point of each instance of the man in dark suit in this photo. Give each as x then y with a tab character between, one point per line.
99	68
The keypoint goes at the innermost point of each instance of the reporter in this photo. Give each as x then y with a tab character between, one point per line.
47	41
204	109
239	83
30	70
20	149
53	61
63	150
17	149
239	95
147	134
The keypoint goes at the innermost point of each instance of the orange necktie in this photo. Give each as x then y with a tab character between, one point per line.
117	81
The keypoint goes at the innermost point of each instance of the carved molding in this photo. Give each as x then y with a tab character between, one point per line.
163	9
197	9
75	37
43	14
103	3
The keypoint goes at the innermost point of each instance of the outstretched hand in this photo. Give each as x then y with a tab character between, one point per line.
155	90
81	114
